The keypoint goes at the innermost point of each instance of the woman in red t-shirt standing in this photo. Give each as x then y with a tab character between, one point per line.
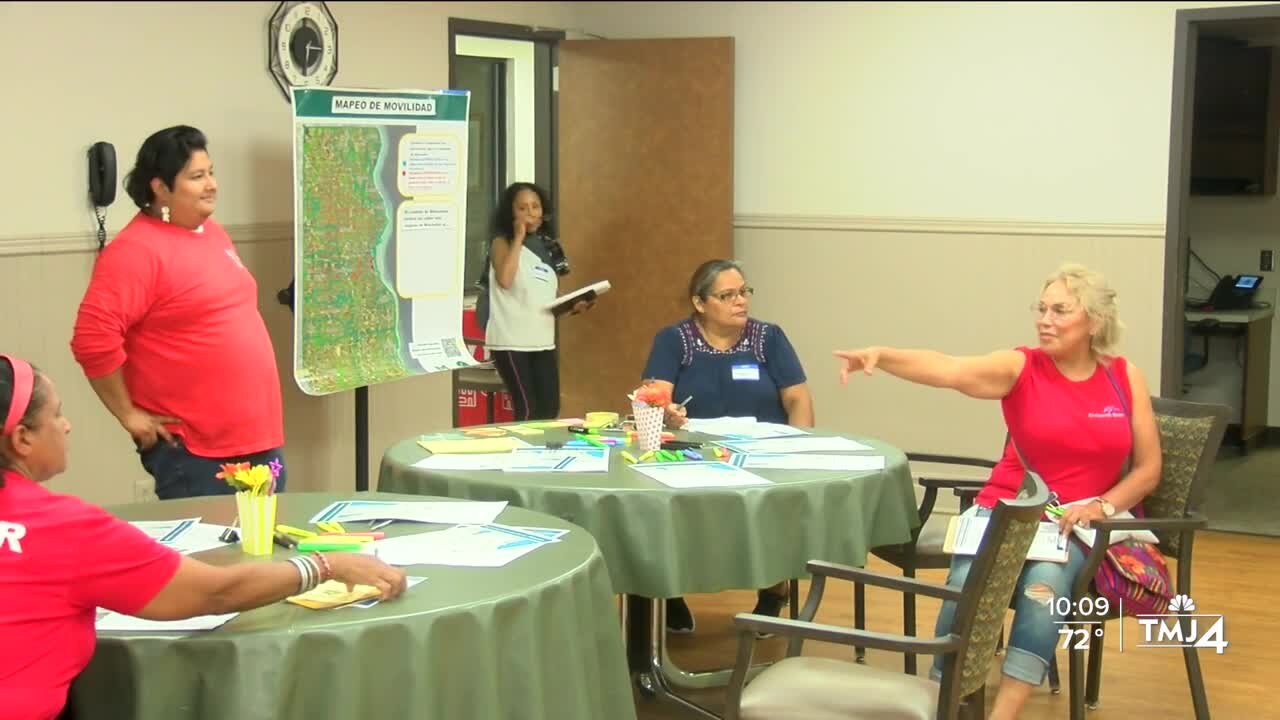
169	332
1076	411
62	558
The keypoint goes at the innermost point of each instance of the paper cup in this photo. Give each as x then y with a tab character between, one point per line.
257	522
648	426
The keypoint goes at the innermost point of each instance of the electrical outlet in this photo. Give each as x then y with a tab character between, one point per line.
1266	264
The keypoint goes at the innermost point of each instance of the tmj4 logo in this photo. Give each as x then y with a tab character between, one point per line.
1182	627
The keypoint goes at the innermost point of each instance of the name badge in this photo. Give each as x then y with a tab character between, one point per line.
746	372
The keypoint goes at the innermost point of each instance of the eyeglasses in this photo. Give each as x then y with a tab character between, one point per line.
1057	312
728	296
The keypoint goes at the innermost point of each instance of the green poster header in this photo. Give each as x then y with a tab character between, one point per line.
411	105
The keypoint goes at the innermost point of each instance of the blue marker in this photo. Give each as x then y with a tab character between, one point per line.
689	453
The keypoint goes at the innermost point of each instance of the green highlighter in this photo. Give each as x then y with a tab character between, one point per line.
323	545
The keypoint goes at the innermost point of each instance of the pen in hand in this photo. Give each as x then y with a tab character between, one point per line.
686	402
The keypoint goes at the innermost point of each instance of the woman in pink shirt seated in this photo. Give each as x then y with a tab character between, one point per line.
169	332
62	558
1076	411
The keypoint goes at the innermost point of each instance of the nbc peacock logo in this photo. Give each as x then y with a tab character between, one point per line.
1181	627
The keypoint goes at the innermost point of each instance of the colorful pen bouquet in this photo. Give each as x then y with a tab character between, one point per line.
255	502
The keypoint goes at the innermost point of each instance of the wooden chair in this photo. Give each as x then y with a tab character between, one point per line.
820	688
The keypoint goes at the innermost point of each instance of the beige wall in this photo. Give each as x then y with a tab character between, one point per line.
78	73
907	174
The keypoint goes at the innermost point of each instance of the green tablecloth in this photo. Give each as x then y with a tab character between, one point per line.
538	638
663	542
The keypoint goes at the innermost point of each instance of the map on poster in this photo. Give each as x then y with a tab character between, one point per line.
380	190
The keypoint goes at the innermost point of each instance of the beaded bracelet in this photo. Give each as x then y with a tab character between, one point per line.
327	572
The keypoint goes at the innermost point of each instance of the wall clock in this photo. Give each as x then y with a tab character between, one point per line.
302	45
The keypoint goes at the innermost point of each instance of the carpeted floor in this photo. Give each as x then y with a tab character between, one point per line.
1244	493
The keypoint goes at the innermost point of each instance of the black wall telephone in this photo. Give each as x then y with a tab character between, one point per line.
102	174
1234	292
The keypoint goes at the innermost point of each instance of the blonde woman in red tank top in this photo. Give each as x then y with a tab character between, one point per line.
1076	410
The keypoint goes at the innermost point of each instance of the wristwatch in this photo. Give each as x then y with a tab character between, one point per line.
1107	508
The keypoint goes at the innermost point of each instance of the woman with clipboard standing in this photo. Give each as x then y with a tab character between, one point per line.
523	279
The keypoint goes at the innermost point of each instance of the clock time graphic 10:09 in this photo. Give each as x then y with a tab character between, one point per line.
1080	621
304	45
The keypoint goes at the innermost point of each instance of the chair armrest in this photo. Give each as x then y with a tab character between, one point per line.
893	582
957	484
950	460
747	623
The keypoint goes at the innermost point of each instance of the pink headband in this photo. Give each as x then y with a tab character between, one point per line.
23	380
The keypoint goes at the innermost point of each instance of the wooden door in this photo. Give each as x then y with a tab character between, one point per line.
645	195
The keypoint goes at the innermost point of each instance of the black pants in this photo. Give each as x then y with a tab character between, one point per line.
533	379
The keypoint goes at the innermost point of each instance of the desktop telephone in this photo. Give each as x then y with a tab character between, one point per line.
1234	293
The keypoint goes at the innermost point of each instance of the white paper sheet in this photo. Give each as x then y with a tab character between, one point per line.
109	621
1048	544
200	537
741	428
699	474
591	459
463	546
795	445
448	513
477	461
809	461
166	531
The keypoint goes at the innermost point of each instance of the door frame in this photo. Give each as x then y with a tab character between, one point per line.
544	41
1187	25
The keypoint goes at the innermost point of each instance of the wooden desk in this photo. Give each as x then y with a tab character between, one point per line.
1256	324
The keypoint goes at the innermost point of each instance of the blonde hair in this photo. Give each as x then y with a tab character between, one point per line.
1090	288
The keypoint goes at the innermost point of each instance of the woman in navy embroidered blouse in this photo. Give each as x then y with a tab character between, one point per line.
730	365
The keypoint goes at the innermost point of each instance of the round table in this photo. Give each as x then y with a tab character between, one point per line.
537	638
663	542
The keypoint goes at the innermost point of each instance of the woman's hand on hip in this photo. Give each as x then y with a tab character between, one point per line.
147	429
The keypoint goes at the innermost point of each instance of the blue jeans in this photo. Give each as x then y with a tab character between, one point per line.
181	474
1034	635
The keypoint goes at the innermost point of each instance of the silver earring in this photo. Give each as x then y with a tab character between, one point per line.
164	213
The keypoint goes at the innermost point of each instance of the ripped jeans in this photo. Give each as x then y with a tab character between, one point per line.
1034	636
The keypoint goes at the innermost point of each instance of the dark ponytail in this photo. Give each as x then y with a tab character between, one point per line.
6	397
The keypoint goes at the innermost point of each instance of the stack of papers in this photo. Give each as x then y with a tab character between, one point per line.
476	445
590	459
332	594
186	536
468	461
366	604
809	461
466	545
109	621
699	474
448	513
741	428
965	533
796	445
